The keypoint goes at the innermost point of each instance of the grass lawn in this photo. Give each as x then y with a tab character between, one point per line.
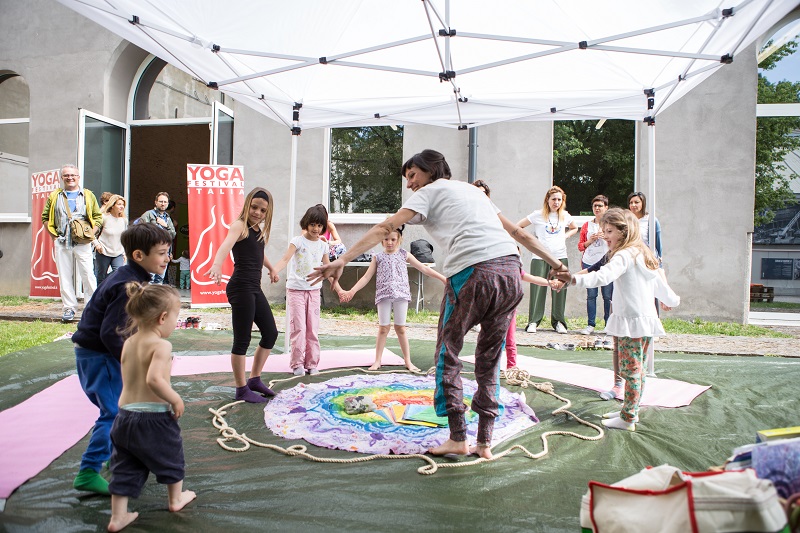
15	336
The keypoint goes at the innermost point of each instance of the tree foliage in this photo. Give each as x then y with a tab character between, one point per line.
588	161
365	169
774	140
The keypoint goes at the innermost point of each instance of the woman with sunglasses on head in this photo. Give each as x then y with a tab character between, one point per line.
552	225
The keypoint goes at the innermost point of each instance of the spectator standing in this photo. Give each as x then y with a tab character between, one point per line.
552	225
108	246
159	216
81	204
594	247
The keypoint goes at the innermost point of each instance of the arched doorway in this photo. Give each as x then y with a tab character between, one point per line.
172	119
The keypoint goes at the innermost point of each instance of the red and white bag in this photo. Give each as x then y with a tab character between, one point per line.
665	499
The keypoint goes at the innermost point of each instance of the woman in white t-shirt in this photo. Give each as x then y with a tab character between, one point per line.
481	264
108	247
552	225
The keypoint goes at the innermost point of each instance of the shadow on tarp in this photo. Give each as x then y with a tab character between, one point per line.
263	490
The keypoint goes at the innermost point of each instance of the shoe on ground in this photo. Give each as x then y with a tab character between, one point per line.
608	344
560	328
531	328
90	481
299	371
601	331
68	316
588	330
313	371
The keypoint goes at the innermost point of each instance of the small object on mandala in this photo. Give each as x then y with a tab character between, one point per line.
356	405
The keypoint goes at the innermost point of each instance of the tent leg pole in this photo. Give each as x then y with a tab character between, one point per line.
651	204
290	229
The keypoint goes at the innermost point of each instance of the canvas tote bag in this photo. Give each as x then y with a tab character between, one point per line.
667	500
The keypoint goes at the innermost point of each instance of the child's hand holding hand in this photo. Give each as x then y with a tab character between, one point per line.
345	296
273	276
177	409
556	284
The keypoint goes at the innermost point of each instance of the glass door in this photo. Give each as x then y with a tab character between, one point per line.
221	135
103	154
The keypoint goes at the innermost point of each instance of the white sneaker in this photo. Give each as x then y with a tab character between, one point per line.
601	332
560	328
531	328
313	371
588	330
299	371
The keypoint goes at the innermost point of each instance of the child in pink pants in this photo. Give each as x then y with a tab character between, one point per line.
303	299
511	341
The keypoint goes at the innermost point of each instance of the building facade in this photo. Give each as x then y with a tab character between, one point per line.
70	91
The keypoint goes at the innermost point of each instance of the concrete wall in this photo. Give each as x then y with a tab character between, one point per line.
704	159
705	165
63	58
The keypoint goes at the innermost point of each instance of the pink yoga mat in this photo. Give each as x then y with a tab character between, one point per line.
44	426
209	364
40	429
657	391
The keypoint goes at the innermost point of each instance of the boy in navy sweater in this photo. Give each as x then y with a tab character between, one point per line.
98	344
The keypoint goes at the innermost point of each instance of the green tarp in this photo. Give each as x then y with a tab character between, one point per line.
265	491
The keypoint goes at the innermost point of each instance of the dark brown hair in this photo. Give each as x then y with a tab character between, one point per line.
429	161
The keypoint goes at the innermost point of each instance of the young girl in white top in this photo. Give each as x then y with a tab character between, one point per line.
392	292
303	299
634	322
552	225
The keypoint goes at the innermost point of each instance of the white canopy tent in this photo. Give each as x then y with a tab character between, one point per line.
321	63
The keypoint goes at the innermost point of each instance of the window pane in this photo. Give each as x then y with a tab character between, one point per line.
104	157
14	178
365	169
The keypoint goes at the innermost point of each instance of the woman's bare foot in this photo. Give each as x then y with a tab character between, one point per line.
184	498
481	450
117	523
375	366
450	447
412	367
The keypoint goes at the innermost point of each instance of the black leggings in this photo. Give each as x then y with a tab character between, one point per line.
247	307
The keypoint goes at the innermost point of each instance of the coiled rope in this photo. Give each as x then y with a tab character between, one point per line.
514	376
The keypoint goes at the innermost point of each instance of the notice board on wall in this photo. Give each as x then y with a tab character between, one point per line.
787	269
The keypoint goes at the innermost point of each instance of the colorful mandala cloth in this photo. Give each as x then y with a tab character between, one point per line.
315	413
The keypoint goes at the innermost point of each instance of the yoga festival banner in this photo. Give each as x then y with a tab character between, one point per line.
216	196
44	274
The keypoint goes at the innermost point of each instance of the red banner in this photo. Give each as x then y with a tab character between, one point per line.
44	274
216	196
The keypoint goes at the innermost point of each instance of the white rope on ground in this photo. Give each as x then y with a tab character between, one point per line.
514	376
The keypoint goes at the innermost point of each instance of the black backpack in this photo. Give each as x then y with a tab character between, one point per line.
422	250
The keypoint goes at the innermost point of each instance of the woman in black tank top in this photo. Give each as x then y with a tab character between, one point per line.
246	239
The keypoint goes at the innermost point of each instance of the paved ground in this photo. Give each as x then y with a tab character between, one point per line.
704	344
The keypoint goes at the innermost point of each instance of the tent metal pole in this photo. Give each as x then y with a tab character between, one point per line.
651	223
290	230
472	171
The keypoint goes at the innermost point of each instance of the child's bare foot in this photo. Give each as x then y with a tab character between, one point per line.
412	367
481	450
183	498
117	523
450	447
375	366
